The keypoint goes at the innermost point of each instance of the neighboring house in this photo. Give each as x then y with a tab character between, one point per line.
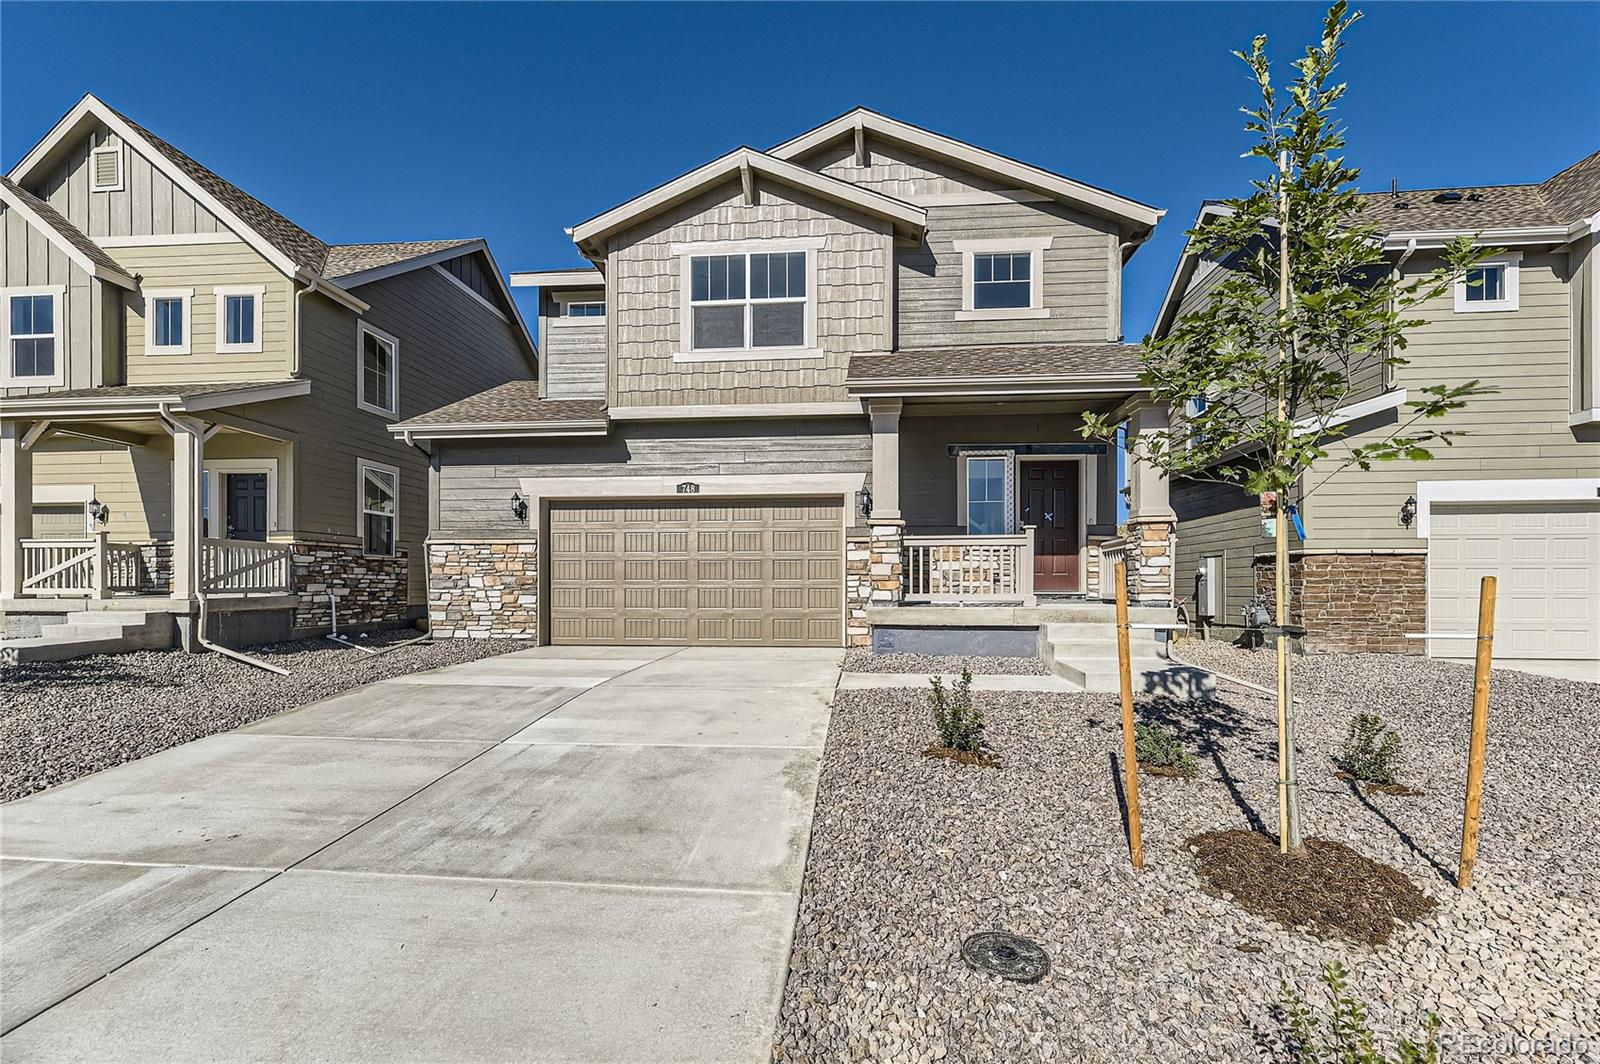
1400	549
792	385
196	392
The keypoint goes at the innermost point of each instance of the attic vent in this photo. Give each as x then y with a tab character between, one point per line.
1447	197
105	169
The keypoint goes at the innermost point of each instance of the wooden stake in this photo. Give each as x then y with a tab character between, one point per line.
1480	732
1130	756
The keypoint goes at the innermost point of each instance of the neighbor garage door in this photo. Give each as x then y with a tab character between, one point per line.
1546	561
757	572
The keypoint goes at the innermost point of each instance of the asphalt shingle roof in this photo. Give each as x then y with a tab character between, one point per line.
346	259
1572	194
152	391
515	402
53	218
1042	360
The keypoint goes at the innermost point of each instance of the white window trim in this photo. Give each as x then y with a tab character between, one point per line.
685	253
362	329
1511	297
562	299
122	167
1035	246
222	292
150	297
216	513
1552	489
1010	493
57	316
362	465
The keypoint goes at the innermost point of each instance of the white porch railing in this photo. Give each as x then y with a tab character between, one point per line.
245	567
1112	551
970	568
63	566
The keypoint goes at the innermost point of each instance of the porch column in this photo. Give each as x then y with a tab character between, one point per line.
1152	533
885	415
16	505
188	463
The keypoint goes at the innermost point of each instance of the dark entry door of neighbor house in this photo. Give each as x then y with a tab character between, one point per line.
1050	502
247	506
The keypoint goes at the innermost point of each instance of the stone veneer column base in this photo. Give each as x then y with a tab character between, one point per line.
370	590
1152	545
874	575
1357	600
480	589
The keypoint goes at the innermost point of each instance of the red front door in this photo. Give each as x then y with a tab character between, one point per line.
1050	502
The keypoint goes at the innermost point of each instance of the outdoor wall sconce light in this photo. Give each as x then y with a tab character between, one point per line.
1408	511
99	512
866	502
519	506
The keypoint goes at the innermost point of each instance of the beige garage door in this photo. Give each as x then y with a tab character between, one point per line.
756	572
1546	561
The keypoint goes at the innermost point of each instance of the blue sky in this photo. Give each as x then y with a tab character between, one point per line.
511	121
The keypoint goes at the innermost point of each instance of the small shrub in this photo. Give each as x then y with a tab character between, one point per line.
1371	750
1343	1036
1153	745
959	725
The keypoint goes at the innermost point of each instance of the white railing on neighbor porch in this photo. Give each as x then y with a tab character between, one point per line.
973	569
245	567
1112	551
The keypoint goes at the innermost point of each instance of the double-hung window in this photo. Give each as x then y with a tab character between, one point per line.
167	321
986	495
379	488
749	302
377	371
1492	284
239	317
33	334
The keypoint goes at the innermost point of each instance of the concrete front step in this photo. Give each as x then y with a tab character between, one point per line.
88	632
46	648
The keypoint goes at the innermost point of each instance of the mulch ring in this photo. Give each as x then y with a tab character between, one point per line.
1379	788
1165	771
981	758
1331	892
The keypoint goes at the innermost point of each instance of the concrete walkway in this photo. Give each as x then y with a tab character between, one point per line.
575	854
870	681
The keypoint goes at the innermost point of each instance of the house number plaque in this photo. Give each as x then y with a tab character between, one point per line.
688	487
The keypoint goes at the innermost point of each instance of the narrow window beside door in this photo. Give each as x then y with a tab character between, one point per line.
986	496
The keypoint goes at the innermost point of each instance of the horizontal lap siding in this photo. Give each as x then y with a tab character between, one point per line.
1216	519
644	296
476	479
1518	431
572	351
135	483
201	267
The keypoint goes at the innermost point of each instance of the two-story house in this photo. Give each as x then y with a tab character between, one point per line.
195	392
1400	549
794	388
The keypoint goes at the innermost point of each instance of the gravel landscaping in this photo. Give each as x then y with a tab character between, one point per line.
62	720
909	855
867	661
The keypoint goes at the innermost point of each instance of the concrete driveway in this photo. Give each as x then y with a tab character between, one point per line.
574	854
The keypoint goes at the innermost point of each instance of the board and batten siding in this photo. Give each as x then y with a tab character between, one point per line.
1518	431
149	204
645	292
572	355
89	323
476	478
202	267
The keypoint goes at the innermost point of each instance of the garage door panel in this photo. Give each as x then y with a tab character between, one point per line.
1546	559
749	572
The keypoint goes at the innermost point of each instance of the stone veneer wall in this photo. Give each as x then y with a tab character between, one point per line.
483	589
874	575
151	569
1152	545
370	590
1355	601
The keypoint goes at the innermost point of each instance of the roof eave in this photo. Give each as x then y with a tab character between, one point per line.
500	430
1055	384
45	406
118	277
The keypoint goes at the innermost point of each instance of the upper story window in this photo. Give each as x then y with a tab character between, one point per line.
1002	278
239	317
32	335
1493	284
747	303
166	321
584	310
380	510
377	370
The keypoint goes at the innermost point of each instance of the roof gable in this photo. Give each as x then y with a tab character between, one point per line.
49	221
990	164
747	163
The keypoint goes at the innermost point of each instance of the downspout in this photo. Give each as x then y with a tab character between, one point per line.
1411	249
1125	251
294	330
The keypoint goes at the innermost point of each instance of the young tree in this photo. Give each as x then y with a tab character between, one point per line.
1310	311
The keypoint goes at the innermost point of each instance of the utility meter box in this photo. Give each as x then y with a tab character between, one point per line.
1208	587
